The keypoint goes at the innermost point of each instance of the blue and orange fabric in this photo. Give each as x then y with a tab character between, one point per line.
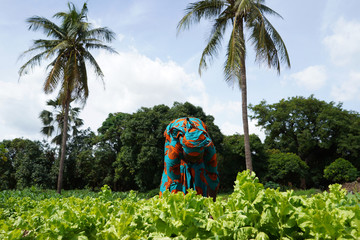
191	136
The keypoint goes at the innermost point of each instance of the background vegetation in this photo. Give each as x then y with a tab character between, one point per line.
305	137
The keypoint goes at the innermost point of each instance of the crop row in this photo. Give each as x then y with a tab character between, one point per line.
250	212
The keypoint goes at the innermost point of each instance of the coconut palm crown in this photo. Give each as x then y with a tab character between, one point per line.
240	17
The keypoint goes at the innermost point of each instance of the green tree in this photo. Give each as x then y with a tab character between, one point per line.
233	150
340	171
138	140
54	120
286	168
315	130
7	171
69	48
81	166
3	151
29	165
240	16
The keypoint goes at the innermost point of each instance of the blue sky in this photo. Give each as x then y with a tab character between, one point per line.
157	66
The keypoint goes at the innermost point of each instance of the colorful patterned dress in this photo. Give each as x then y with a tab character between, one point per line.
189	135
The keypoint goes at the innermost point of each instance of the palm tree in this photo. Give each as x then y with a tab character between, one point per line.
55	120
68	49
239	16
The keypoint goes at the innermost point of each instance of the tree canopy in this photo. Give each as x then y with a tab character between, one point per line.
317	131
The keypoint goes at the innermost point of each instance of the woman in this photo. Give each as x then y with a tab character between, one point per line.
190	159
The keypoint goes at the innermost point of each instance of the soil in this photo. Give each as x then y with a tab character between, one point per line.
352	186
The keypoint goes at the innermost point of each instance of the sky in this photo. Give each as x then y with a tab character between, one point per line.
155	65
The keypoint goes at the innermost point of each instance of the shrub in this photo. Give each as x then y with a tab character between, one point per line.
285	168
340	171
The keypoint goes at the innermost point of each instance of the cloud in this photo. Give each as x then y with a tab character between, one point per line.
343	42
348	89
20	105
312	78
133	80
229	128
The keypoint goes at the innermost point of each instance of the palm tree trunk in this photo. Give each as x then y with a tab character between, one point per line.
63	146
243	87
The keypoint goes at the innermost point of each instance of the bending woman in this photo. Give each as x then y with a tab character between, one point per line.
190	159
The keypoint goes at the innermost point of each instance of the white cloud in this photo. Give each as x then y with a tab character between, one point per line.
349	89
229	128
312	78
20	105
133	80
343	42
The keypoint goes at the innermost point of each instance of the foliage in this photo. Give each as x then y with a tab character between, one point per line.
54	120
7	172
232	159
28	163
3	151
250	212
309	192
315	130
271	184
140	142
340	171
285	168
126	154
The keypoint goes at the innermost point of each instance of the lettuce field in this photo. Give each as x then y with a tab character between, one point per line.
250	212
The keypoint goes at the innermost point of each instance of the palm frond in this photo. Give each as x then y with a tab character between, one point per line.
235	52
214	42
205	9
46	117
47	130
269	46
40	44
266	10
83	81
61	45
48	27
102	33
100	46
33	62
91	59
280	45
55	75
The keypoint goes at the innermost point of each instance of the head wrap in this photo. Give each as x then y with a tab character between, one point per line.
194	139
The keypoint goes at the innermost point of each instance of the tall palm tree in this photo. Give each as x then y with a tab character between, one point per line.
53	120
68	49
241	16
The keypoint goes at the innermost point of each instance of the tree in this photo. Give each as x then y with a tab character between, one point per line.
286	168
138	139
340	171
81	165
233	150
3	151
7	171
55	120
241	15
27	164
69	48
315	130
